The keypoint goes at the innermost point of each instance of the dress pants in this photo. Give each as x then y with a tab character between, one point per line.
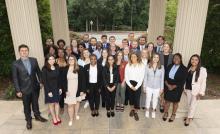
110	98
94	96
152	95
103	95
192	103
29	100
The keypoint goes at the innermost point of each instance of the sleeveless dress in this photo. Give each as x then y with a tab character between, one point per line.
72	80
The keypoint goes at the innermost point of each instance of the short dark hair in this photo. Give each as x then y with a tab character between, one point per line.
104	35
92	55
160	36
144	37
92	38
61	40
22	46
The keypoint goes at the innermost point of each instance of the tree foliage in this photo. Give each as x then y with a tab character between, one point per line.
7	54
109	14
210	49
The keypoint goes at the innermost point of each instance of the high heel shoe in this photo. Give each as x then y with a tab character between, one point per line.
165	116
187	122
172	118
59	121
55	123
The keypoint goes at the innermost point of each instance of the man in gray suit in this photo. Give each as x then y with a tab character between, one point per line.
26	76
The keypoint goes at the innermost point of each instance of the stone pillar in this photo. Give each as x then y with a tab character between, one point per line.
25	27
59	18
190	25
156	22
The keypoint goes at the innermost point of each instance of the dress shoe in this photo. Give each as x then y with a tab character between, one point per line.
112	113
29	125
93	113
136	117
108	114
40	118
96	113
131	113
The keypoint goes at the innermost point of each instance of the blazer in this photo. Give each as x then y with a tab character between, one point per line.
81	80
107	46
23	82
199	87
170	58
179	78
99	75
106	76
90	49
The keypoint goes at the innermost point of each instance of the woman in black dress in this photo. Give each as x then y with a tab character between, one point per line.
50	75
175	77
61	62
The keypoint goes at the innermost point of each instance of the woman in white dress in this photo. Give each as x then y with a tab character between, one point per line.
75	88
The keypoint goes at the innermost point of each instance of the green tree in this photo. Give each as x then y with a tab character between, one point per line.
44	19
210	48
7	51
170	20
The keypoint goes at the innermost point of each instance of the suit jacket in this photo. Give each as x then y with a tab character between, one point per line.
107	46
179	78
170	58
106	76
99	75
199	87
90	49
23	82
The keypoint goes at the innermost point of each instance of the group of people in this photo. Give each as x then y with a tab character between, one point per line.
135	72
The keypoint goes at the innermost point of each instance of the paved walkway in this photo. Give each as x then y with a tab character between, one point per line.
207	121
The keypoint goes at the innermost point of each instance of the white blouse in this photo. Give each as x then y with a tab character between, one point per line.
135	73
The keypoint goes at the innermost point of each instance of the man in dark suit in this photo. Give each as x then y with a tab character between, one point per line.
93	74
92	45
142	43
105	44
26	76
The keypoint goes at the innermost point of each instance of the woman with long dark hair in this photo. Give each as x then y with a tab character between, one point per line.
120	92
153	84
110	78
195	85
102	61
50	76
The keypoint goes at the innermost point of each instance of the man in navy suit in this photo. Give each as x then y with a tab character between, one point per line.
105	44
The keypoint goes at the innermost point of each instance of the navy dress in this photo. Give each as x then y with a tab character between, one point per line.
51	84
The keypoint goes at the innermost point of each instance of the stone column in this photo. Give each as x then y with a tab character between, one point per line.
190	25
25	29
156	22
60	23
